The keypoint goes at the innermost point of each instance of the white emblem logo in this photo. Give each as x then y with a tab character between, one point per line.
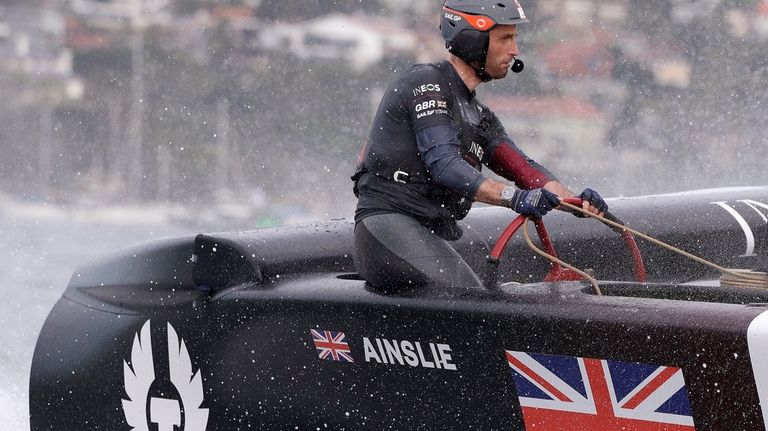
139	376
750	236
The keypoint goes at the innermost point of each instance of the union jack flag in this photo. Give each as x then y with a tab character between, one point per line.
331	346
566	392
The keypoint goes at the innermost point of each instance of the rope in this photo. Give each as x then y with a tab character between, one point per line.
737	277
533	247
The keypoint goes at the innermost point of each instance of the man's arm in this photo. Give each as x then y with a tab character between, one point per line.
507	160
490	190
511	163
439	149
534	203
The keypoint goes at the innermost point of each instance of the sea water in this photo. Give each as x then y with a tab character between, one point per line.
40	247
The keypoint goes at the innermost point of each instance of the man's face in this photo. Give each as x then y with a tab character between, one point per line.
502	50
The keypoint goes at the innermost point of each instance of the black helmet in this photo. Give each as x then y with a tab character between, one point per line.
465	25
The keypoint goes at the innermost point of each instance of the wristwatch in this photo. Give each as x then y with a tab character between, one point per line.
508	197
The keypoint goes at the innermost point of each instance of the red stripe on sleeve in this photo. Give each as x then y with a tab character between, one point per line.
513	165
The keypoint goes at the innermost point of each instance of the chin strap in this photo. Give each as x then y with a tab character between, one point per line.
483	75
480	70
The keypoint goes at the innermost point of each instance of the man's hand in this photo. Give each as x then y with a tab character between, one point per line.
593	203
592	200
533	203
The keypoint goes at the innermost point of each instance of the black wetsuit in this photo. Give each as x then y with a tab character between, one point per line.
418	173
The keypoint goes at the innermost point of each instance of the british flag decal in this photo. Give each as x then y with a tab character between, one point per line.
331	345
567	392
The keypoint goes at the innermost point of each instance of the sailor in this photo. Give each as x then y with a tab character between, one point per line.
420	169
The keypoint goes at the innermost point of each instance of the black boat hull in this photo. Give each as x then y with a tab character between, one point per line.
273	330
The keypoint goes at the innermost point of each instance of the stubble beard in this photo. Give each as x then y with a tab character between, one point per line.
500	73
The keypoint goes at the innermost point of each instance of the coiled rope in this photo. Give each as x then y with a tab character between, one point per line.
730	277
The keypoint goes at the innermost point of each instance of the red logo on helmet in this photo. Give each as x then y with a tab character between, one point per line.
478	22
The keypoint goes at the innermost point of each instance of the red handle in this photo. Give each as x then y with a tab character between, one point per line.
557	273
504	238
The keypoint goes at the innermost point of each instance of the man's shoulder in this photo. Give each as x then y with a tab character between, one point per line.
484	108
423	78
425	70
425	67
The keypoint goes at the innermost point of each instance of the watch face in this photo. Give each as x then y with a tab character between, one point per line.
508	193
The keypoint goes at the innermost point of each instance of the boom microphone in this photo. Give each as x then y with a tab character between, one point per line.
517	66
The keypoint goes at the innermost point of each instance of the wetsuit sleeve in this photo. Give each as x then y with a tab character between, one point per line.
440	150
507	160
511	163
